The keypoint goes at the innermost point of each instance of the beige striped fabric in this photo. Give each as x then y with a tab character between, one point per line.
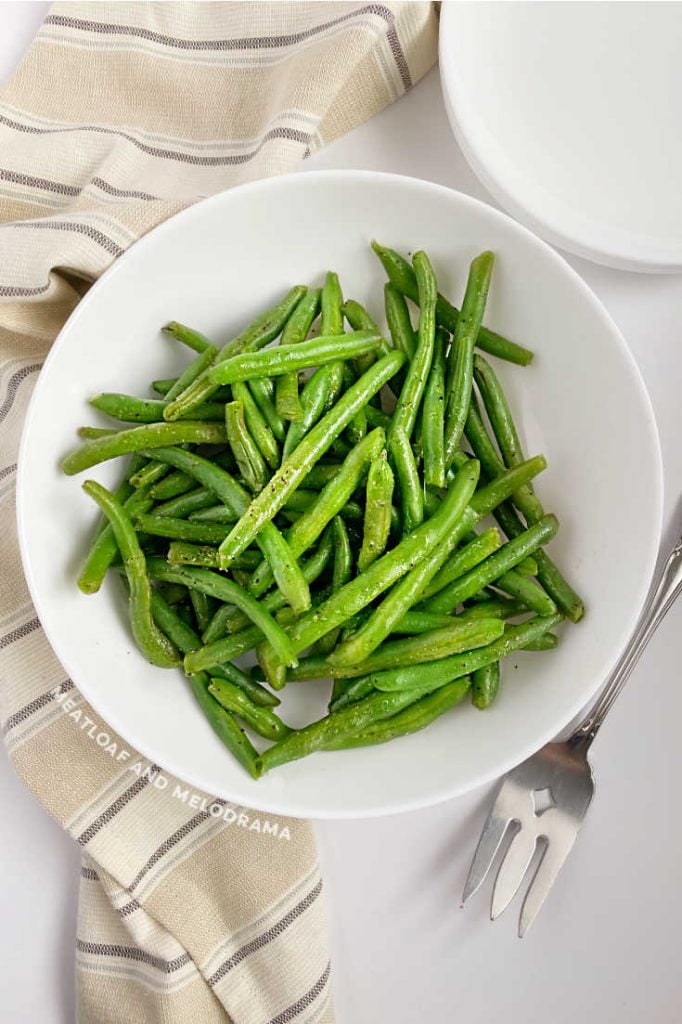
121	114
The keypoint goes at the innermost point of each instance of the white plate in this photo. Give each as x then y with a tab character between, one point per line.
582	403
570	116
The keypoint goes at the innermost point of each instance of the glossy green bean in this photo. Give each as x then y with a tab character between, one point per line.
496	607
402	333
247	456
286	571
261	392
425	678
149	473
319	351
349	691
402	277
527	566
341	574
360	320
257	426
181	529
330	502
527	590
225	590
485	683
172	485
414	622
202	608
188	336
411	394
139	438
259	333
294	469
499	413
461	360
154	645
433	415
322	473
377	522
104	548
192	373
408	591
162	387
147	410
254	691
187	504
336	727
494	566
182	553
474	551
409	484
412	650
225	726
287	401
413	718
319	393
261	719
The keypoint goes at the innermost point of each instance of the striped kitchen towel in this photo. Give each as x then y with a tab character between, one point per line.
121	114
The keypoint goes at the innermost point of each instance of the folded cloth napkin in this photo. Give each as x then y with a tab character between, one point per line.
120	115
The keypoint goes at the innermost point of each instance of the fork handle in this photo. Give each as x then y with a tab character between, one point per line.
666	589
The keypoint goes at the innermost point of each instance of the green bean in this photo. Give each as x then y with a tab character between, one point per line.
360	320
318	394
546	642
138	438
377	418
213	514
341	574
104	548
296	330
413	718
402	278
193	339
188	504
247	456
330	502
154	645
148	474
294	469
357	428
253	690
147	410
411	497
182	553
224	725
425	678
259	333
527	566
322	473
162	387
398	317
405	594
414	622
412	650
409	400
495	607
171	486
549	575
334	728
460	363
485	683
494	566
261	719
286	572
473	552
433	415
257	426
499	414
302	501
225	590
492	464
195	369
291	358
525	588
201	606
260	391
381	574
229	619
377	524
181	529
91	433
349	691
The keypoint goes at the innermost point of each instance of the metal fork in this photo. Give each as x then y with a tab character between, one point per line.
545	799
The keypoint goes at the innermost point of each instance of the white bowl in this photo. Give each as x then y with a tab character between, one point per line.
582	403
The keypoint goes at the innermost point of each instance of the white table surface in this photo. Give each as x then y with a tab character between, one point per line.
604	947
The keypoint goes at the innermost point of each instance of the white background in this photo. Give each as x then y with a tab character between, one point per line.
605	947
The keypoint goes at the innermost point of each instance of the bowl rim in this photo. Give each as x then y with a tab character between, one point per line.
456	787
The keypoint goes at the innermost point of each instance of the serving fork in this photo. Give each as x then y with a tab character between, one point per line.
543	801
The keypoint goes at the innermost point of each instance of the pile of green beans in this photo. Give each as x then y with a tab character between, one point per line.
321	507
